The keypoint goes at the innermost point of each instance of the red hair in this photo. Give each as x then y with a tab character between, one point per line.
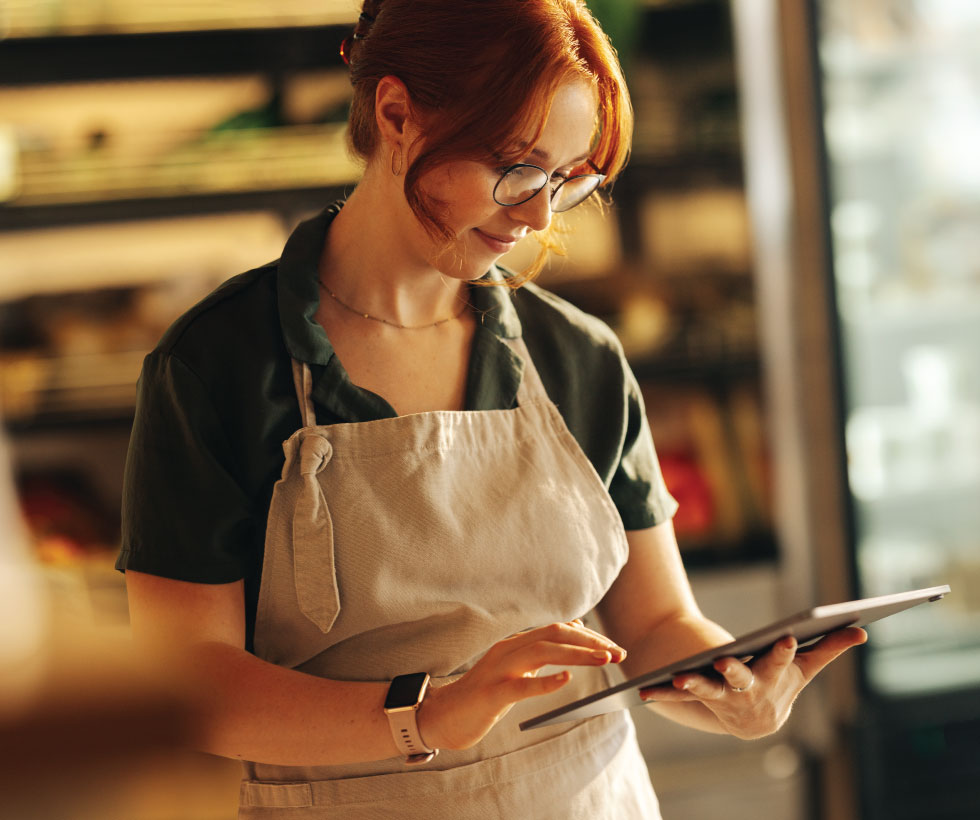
481	75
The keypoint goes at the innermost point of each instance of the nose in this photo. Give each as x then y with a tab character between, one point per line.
536	212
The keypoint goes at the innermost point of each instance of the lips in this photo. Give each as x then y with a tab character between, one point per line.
499	244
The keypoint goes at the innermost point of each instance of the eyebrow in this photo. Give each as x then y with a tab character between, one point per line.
546	157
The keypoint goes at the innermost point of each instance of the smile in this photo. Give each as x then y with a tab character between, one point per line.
496	243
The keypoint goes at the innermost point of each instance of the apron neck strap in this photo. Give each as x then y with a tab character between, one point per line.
303	381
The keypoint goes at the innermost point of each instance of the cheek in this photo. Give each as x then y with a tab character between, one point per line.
465	192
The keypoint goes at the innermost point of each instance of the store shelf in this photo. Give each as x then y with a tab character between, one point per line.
240	167
652	167
185	256
753	548
723	370
286	200
68	389
100	56
24	18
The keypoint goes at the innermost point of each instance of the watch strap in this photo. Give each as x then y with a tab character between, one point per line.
403	722
405	731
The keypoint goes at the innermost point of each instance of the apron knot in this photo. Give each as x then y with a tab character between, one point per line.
315	451
316	581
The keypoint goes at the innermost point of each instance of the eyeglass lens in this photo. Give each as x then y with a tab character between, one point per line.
523	182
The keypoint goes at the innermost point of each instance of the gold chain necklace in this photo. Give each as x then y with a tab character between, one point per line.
363	315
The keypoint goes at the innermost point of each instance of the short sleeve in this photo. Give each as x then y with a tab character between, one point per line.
637	486
184	514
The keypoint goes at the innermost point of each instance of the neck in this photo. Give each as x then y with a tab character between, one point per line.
372	263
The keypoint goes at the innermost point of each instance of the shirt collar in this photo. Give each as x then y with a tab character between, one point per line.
299	294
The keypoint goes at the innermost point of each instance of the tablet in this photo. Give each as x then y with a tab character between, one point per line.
807	627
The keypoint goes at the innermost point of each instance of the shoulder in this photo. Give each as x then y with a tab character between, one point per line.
565	339
562	317
226	324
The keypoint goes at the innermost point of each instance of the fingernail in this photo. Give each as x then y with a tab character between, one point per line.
687	685
602	654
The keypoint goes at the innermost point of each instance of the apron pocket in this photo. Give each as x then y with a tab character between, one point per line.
565	777
276	795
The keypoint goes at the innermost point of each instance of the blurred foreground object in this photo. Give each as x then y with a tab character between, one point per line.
23	615
81	714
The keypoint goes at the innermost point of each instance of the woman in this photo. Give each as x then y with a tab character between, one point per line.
468	471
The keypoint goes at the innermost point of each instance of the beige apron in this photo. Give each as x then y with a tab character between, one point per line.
413	544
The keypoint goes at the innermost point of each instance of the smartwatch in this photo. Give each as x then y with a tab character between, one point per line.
401	706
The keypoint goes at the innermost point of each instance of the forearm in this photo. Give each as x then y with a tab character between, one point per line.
255	710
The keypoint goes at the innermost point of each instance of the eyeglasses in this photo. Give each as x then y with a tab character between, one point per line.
521	182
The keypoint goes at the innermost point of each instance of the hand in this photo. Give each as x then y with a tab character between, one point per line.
751	702
459	714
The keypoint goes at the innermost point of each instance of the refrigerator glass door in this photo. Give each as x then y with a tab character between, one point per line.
901	117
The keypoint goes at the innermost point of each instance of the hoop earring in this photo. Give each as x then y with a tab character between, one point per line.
396	152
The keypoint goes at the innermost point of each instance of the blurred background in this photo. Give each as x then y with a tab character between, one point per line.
793	266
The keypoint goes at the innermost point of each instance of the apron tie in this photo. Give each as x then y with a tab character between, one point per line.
317	592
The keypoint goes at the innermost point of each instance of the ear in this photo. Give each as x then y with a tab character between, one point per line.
392	110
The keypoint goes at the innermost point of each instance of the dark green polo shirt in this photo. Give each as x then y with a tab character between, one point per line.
216	401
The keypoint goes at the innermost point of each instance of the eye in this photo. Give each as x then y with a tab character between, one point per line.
518	172
558	179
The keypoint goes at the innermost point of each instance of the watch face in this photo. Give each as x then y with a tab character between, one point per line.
404	690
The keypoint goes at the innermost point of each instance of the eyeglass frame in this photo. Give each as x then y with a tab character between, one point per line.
508	169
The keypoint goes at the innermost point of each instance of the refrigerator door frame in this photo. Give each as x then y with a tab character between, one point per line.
787	193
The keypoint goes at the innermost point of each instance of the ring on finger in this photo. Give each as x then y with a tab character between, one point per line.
745	688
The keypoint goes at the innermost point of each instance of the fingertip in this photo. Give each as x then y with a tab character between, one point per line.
790	644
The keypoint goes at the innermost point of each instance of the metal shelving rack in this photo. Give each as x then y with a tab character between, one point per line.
277	52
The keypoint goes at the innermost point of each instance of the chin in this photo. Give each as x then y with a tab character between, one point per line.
464	263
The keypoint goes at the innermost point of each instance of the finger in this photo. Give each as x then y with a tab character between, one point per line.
701	687
582	625
618	653
736	674
665	694
565	633
827	649
529	659
777	660
517	689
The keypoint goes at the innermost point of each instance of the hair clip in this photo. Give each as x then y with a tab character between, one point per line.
348	41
